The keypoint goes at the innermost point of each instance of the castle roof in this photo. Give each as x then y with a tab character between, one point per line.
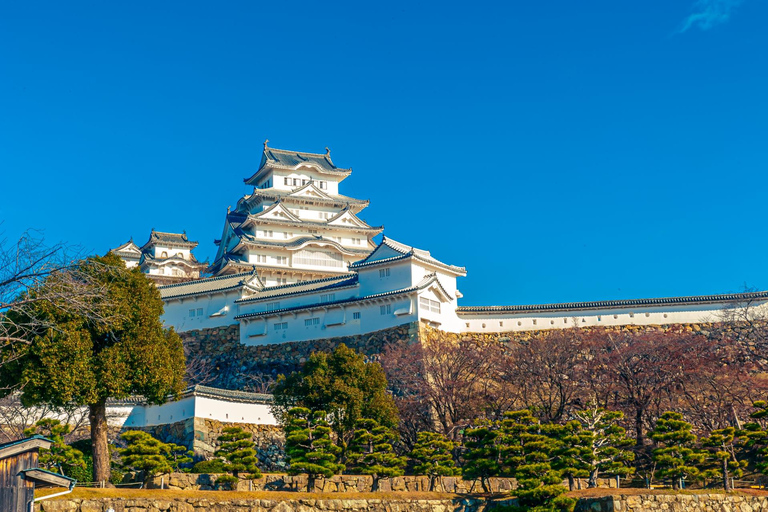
314	285
298	243
402	251
211	285
289	196
614	304
291	160
128	251
424	283
170	239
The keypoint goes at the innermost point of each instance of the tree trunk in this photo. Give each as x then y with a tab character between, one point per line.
97	415
592	482
726	480
639	438
432	479
310	483
571	482
375	483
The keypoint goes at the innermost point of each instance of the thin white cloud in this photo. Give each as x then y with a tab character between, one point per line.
709	13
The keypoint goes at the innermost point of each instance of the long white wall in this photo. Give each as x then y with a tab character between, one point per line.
199	407
214	310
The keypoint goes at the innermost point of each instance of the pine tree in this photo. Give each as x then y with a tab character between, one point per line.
434	454
723	445
755	439
676	456
528	452
61	457
483	452
237	448
309	447
145	453
596	443
370	452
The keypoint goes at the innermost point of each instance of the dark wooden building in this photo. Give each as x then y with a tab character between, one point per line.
19	474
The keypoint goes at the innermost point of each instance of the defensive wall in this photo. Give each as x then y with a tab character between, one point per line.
614	503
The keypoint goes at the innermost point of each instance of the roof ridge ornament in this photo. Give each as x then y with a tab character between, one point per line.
266	141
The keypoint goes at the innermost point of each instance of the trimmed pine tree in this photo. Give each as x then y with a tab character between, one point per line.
145	453
309	447
61	457
676	456
723	447
237	448
529	451
483	452
433	453
370	452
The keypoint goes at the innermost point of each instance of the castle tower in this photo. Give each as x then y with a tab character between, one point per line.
167	258
295	226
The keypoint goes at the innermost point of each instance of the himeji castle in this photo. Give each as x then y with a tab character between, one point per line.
296	262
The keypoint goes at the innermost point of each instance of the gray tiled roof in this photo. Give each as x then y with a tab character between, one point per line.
246	238
208	285
173	239
288	158
406	251
612	304
314	285
424	283
285	196
202	391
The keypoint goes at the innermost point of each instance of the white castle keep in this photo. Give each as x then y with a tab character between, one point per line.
295	262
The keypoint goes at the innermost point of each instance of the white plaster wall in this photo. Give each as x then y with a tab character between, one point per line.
261	331
233	412
169	412
400	276
176	311
650	315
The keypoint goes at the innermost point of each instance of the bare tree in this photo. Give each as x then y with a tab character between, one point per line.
15	418
32	271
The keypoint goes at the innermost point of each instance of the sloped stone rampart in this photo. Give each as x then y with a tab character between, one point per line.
243	367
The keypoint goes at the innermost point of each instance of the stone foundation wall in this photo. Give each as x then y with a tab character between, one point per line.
201	434
261	505
674	503
348	483
247	368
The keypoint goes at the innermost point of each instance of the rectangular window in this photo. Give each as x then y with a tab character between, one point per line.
287	181
323	185
281	260
385	310
355	315
269	306
429	304
199	311
311	321
281	326
261	258
191	313
356	241
328	297
296	182
285	234
383	272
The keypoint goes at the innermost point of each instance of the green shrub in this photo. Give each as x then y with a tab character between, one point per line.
209	466
226	483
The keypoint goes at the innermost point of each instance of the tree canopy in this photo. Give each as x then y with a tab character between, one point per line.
69	359
343	385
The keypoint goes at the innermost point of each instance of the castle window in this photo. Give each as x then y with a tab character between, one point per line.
328	297
467	325
281	326
311	321
534	322
164	254
565	320
304	182
323	185
269	306
356	241
281	260
385	310
429	304
296	182
501	324
199	311
355	315
191	313
286	181
383	272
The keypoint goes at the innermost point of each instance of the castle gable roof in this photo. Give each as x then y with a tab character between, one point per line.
291	160
301	287
128	250
169	239
390	250
247	280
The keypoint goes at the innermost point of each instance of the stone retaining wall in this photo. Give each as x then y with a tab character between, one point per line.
674	503
258	505
248	368
347	483
618	503
201	436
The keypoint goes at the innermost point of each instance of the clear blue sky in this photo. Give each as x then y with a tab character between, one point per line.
559	150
